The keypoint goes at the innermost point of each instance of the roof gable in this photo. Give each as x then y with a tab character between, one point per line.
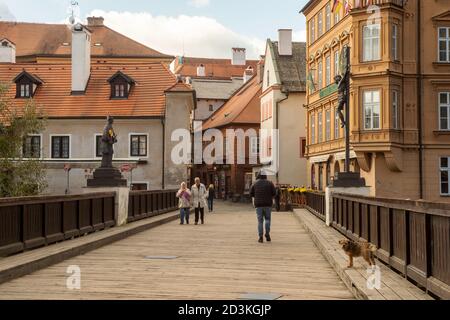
24	74
120	75
445	16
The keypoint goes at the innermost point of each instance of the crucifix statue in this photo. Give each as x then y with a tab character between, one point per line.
109	138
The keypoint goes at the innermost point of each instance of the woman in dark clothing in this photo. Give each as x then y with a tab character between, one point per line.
211	196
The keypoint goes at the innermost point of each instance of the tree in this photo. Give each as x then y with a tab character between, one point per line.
19	176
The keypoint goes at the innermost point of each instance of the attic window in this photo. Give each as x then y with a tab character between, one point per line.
66	44
98	44
121	85
26	85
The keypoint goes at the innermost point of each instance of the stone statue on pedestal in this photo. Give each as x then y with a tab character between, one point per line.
107	175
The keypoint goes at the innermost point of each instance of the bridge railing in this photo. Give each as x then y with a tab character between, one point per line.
413	237
30	222
145	204
315	203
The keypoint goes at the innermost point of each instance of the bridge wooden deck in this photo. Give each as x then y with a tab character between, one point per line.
220	260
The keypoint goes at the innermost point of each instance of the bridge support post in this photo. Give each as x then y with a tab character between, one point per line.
329	191
120	203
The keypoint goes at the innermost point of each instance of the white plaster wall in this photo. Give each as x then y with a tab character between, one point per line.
202	112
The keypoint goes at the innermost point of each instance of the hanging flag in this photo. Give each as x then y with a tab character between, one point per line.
310	81
337	5
348	7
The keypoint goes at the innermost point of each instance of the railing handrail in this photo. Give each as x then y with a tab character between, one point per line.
135	193
57	198
418	206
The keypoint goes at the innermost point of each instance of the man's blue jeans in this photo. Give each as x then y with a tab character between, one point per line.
264	214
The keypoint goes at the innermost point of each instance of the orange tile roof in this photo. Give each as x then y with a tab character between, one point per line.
146	99
214	68
40	39
243	107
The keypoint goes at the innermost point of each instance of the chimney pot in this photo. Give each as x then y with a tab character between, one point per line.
285	42
95	21
201	72
239	57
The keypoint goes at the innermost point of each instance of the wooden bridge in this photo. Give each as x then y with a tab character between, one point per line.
154	257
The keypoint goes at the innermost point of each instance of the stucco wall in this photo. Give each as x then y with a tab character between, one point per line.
202	112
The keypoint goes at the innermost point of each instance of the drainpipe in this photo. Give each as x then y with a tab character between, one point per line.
277	106
163	179
420	97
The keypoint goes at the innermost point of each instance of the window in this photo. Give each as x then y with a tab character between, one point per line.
444	44
138	146
371	105
327	71
32	147
302	147
320	186
395	109
444	111
98	146
312	30
24	90
120	91
320	75
268	78
320	126
371	42
395	42
60	147
336	63
445	170
328	17
313	129
320	23
254	145
337	17
328	125
337	124
211	108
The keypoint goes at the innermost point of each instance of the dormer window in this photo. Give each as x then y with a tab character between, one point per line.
26	85
121	85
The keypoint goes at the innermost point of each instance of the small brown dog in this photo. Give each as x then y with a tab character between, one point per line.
359	249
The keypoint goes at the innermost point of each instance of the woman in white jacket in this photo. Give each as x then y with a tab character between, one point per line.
199	195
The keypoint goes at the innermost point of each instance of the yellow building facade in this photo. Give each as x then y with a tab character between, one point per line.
399	99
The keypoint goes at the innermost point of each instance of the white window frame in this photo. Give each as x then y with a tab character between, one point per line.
313	129
395	109
395	42
445	39
328	125
444	106
41	147
320	23
372	105
441	171
254	146
328	17
337	124
320	126
371	54
328	70
312	30
320	75
336	63
51	146
129	145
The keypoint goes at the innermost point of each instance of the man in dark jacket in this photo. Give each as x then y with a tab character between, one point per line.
263	192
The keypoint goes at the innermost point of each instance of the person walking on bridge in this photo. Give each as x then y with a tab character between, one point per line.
263	193
184	196
199	195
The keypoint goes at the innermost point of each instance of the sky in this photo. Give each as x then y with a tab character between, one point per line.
199	28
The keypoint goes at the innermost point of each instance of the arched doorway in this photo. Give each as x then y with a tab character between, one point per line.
337	168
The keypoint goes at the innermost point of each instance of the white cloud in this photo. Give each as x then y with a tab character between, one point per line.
5	13
199	3
193	35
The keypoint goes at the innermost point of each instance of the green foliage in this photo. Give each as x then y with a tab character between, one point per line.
19	177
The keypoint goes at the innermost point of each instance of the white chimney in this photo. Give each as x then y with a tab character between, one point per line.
239	58
285	42
7	51
201	72
248	74
81	58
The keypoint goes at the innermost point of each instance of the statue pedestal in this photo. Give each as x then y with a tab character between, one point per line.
107	177
348	180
